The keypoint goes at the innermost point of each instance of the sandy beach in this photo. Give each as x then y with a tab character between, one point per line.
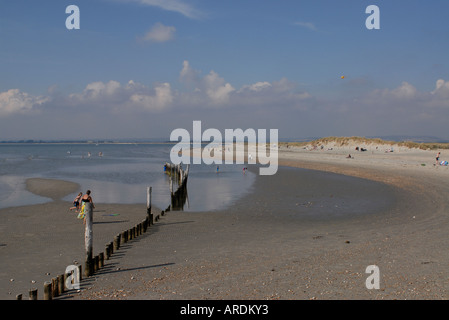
279	242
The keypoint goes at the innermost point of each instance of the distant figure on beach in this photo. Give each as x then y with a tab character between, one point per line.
218	169
349	156
438	157
76	202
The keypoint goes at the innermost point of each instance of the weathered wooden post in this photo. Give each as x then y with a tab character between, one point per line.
116	243
150	215
67	275
101	258
48	290
88	239
96	263
61	283
107	254
54	287
33	294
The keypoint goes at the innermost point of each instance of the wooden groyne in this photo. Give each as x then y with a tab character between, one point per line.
72	278
178	176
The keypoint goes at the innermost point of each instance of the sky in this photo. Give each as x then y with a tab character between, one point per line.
138	69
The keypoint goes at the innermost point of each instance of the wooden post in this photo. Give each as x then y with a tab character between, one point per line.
95	262
66	276
150	215
149	192
106	252
101	258
33	294
55	287
116	243
48	295
88	239
61	283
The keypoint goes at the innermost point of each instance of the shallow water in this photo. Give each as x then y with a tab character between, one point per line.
116	173
316	195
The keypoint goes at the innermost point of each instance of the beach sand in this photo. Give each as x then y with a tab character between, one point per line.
279	242
38	242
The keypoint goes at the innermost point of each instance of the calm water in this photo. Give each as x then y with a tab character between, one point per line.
116	173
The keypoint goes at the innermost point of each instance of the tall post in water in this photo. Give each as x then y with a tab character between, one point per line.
88	239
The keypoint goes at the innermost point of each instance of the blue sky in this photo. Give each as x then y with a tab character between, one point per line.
141	68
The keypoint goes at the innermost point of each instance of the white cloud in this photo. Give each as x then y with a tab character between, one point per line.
14	101
178	6
258	86
285	103
441	89
404	91
308	25
211	89
188	75
160	33
127	97
161	100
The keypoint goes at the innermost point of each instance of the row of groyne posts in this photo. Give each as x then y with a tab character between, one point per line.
73	275
177	176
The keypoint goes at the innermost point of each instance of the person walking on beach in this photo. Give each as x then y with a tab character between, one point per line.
438	157
76	202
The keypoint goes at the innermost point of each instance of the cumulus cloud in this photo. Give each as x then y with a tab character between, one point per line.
404	91
389	110
159	33
162	98
14	101
211	89
119	98
441	89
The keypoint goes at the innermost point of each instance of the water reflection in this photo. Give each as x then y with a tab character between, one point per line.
120	176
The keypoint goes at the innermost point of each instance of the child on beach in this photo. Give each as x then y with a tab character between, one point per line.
76	202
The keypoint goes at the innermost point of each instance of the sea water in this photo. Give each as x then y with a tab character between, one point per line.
116	173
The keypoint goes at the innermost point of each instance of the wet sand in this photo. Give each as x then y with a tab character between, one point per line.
38	242
279	242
